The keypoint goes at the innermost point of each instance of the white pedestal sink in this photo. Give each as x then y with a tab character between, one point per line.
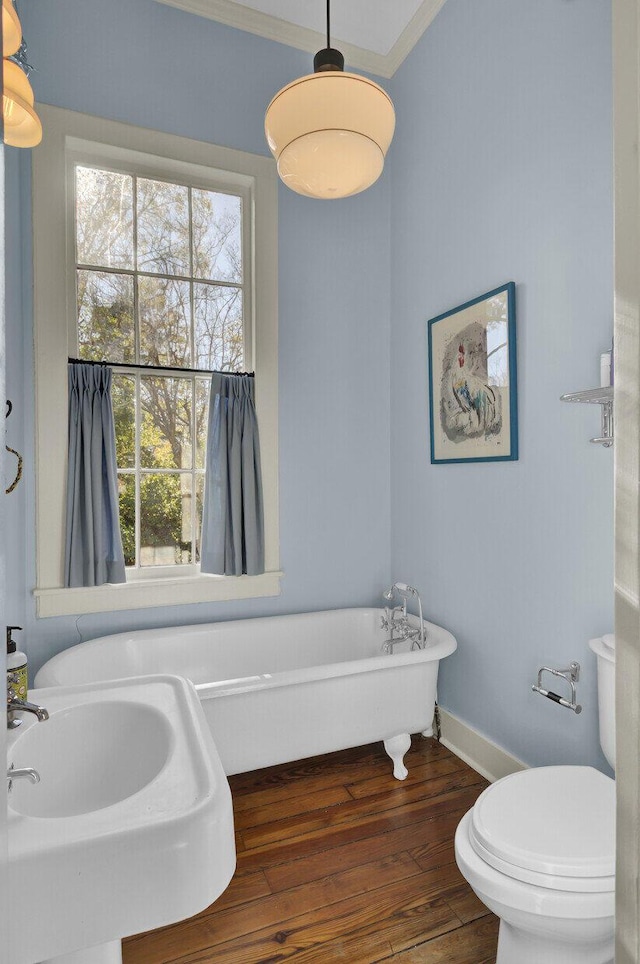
130	826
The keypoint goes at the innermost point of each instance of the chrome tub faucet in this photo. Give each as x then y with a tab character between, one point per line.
396	620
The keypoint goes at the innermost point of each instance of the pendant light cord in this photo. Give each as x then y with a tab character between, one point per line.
327	58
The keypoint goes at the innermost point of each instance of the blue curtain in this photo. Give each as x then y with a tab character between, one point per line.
233	518
93	549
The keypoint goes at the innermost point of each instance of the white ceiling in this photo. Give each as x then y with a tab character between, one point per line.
374	35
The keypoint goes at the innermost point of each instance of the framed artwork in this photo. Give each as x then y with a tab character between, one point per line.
472	380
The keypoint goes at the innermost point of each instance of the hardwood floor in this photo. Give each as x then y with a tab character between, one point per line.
338	861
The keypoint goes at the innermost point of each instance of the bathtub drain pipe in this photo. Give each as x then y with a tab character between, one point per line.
436	722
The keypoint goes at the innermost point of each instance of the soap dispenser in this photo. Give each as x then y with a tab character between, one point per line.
17	664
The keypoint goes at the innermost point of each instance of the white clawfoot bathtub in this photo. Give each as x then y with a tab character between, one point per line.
281	688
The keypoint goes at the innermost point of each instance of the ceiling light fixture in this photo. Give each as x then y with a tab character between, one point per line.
330	131
11	29
22	127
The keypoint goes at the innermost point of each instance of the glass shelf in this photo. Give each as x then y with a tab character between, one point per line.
597	396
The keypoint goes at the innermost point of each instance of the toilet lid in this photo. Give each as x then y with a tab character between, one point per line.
557	822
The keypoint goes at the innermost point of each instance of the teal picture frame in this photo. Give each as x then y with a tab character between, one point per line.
473	382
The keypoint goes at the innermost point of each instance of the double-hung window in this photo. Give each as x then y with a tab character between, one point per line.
157	256
161	293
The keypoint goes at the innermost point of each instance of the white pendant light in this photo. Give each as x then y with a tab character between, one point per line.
22	127
330	131
11	29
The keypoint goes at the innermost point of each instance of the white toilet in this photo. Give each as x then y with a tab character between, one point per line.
538	848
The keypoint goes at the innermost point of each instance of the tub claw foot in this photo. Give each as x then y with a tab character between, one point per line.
396	747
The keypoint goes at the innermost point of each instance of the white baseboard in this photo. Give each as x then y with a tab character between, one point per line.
477	750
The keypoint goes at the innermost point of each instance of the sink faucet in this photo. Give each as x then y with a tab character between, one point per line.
14	704
27	773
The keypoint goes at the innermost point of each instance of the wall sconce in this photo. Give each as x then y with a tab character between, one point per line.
11	29
22	126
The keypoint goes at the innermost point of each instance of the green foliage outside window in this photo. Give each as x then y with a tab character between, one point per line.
159	282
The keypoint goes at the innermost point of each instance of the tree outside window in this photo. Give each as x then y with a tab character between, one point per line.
160	281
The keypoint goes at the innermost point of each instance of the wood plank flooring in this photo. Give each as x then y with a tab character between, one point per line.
340	862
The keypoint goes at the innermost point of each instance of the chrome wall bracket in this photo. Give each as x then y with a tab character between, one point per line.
597	396
570	675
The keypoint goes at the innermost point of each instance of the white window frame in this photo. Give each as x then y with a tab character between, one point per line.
71	138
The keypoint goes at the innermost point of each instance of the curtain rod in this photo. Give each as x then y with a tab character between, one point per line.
155	368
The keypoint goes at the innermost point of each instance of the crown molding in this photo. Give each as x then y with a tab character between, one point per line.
421	21
284	32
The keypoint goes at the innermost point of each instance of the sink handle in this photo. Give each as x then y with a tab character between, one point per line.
27	773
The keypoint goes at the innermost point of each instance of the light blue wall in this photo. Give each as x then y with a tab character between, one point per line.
502	171
148	64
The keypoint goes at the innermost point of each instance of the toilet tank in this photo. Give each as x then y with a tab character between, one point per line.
605	649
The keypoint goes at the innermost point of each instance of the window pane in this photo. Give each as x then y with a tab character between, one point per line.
165	519
123	399
127	493
218	328
159	317
165	322
163	227
217	236
202	420
199	504
165	439
104	218
105	316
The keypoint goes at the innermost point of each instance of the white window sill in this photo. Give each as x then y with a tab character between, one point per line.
149	593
